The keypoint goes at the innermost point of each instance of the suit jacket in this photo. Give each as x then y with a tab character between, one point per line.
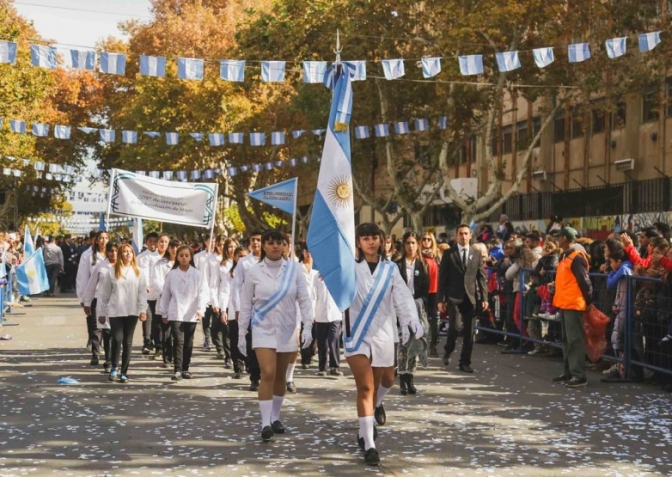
457	282
420	279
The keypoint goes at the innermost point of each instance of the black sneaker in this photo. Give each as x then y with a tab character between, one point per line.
291	387
187	375
94	361
107	367
254	386
228	364
266	433
177	376
146	350
237	376
576	383
277	427
371	457
220	355
335	372
381	417
562	378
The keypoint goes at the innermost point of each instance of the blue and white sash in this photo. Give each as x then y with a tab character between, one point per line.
262	308
370	307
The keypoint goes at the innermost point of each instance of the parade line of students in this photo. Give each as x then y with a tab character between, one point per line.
259	307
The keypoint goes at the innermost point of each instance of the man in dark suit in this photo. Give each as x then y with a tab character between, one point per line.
462	287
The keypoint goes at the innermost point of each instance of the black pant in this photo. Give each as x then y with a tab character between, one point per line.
123	328
465	312
328	337
308	353
433	319
147	330
236	356
183	337
107	340
104	335
156	334
220	334
206	321
52	275
252	361
94	332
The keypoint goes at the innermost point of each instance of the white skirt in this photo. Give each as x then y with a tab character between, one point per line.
283	339
380	347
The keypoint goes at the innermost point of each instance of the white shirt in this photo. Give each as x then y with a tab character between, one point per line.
184	295
84	271
91	290
157	277
123	296
224	295
461	250
326	310
213	276
243	266
146	260
410	275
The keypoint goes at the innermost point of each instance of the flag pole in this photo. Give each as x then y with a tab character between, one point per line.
214	216
293	244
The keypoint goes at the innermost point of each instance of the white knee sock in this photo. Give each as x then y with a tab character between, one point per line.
266	408
277	405
366	431
382	392
290	372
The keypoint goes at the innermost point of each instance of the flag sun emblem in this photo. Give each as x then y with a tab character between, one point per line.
340	191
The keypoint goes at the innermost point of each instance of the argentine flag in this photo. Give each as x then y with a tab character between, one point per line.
32	275
8	52
62	132
28	244
112	63
648	41
331	235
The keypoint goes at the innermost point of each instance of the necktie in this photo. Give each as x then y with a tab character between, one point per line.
464	257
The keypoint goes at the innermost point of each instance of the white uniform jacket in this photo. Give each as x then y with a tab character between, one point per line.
241	271
157	277
184	294
277	329
213	277
326	310
396	302
92	289
224	295
146	260
124	296
84	271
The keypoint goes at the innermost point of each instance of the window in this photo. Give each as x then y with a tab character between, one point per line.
536	126
619	116
598	119
668	97
577	123
559	127
523	140
507	139
495	143
650	106
472	149
462	156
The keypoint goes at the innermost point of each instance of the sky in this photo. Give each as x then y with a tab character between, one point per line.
81	23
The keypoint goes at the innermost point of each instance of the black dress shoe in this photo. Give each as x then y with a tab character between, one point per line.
277	427
381	417
266	433
360	440
465	368
562	378
446	359
371	457
94	361
254	386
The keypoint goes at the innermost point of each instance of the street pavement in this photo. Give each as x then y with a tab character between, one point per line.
506	419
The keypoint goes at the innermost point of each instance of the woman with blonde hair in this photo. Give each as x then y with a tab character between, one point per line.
431	254
123	299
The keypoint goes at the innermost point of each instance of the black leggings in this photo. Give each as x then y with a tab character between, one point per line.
123	328
236	356
183	339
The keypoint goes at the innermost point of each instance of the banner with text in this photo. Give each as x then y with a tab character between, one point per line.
281	195
185	203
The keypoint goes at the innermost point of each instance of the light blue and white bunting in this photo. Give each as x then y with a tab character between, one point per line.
331	234
196	136
112	63
40	129
313	71
257	139
107	135
231	171
431	67
129	137
359	68
297	134
181	175
153	66
195	175
362	132
43	56
616	47
172	138
168	175
8	52
216	139
190	69
208	174
443	122
318	132
421	124
393	69
277	138
401	127
152	134
236	138
543	56
17	126
648	41
232	70
62	132
578	52
87	130
382	130
257	167
508	61
273	71
83	59
471	65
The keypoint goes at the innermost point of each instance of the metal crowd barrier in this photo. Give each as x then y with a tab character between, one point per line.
647	321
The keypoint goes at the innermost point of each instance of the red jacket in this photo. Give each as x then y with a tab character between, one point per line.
636	259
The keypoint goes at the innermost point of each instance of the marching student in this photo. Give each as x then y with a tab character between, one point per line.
123	299
328	324
183	302
90	297
236	289
153	294
268	304
88	260
381	297
306	357
157	278
146	259
201	260
227	315
219	332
